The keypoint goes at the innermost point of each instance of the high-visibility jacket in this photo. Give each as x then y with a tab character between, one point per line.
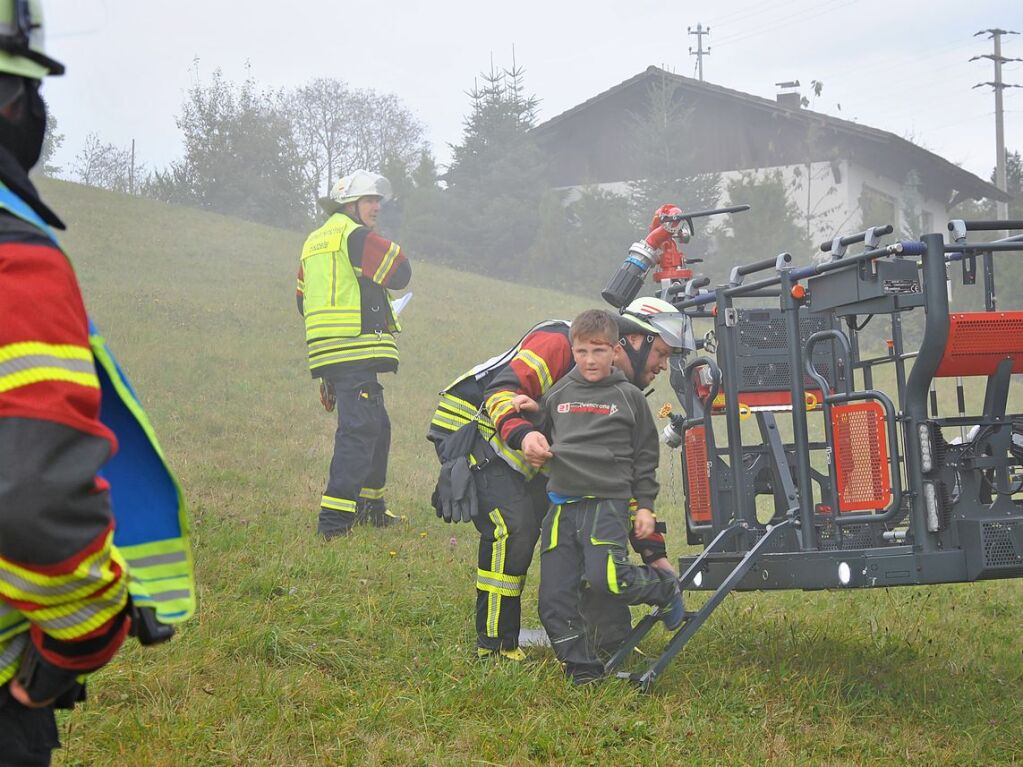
347	308
484	393
66	587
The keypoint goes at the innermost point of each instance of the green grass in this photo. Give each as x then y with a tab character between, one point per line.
359	651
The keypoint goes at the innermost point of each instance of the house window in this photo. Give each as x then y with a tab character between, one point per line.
878	208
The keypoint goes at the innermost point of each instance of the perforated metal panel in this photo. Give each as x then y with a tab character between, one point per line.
697	476
762	349
978	341
999	546
861	456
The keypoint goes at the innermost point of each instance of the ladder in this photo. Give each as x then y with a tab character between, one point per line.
693	620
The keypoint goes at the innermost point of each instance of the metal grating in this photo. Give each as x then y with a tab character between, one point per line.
861	456
978	341
999	547
697	475
852	537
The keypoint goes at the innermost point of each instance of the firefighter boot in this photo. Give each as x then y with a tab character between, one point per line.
378	515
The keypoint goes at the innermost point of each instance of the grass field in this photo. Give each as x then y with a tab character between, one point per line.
358	652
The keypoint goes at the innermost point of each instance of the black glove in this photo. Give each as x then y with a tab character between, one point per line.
465	505
455	497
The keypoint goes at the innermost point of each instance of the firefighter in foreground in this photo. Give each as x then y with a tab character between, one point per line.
485	446
64	585
343	280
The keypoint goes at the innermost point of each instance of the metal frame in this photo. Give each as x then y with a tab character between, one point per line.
951	516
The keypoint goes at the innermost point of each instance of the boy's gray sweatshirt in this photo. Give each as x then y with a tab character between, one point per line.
603	439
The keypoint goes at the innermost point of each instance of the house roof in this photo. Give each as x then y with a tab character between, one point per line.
966	184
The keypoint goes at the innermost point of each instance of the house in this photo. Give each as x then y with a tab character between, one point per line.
840	173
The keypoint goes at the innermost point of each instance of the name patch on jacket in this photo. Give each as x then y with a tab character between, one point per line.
587	407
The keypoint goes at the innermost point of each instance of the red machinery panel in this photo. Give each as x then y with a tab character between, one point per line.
861	456
698	475
978	341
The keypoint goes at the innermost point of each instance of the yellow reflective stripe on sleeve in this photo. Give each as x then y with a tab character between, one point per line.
80	618
10	656
386	262
30	362
92	574
538	366
499	404
338	504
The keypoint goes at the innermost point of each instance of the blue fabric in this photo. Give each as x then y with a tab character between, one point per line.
558	498
142	492
23	210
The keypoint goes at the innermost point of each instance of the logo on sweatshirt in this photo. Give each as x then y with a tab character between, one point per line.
587	407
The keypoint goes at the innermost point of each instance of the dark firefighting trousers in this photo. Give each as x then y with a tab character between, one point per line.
510	512
27	735
583	557
358	470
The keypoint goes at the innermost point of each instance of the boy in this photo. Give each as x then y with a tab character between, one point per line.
605	451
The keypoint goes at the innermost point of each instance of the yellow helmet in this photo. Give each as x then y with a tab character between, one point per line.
22	51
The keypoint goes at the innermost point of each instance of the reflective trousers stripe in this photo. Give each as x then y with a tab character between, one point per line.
372	493
338	504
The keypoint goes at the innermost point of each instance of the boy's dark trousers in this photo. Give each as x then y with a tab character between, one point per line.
583	556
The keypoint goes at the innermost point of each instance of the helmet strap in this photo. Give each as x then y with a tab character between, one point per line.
637	357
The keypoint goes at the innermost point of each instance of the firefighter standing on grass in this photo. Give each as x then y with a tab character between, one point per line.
64	584
509	494
343	280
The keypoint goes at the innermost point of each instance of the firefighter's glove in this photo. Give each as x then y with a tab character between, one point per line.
327	396
456	491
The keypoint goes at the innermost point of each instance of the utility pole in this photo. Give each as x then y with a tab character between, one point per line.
699	52
996	34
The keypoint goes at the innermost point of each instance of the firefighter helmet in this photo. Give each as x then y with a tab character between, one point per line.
357	184
22	49
656	317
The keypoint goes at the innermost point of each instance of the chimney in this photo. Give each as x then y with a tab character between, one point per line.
788	95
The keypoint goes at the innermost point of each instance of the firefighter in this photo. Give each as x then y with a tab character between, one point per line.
64	586
508	494
344	278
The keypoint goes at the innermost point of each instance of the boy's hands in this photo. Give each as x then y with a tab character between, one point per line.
643	523
536	448
523	403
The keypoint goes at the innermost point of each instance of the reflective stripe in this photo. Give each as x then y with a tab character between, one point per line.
552	542
156	559
89	576
500	583
369	346
499	405
10	655
60	623
372	493
30	362
385	264
495	582
612	576
338	504
538	366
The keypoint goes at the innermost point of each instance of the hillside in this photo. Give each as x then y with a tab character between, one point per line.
359	651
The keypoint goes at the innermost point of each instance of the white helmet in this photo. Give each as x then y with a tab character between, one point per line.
22	48
358	183
656	317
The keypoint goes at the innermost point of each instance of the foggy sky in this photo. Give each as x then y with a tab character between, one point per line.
888	66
